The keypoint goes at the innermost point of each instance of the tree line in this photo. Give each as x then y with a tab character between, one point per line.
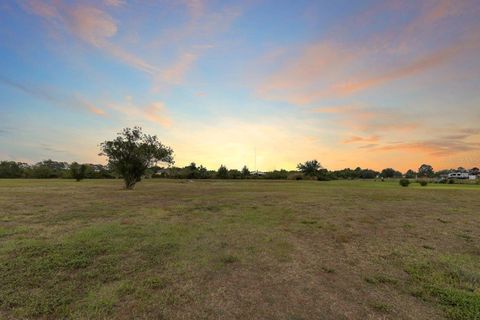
134	155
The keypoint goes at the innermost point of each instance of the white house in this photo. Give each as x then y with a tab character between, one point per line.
458	175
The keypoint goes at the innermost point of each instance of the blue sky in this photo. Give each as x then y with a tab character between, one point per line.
350	83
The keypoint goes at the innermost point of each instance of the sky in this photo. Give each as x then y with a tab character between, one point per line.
366	83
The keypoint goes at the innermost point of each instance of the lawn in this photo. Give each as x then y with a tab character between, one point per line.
238	250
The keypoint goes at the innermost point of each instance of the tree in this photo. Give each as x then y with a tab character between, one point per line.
132	152
222	172
49	169
234	174
11	169
323	175
310	168
78	171
425	170
202	172
410	174
388	173
245	172
192	171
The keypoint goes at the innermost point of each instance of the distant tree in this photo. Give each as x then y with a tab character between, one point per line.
368	174
11	169
310	168
132	152
245	172
410	174
78	171
391	173
474	171
234	174
49	169
203	173
425	171
441	173
99	171
192	171
222	172
277	174
388	173
323	175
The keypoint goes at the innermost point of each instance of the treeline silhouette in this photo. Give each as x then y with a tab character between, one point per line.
50	169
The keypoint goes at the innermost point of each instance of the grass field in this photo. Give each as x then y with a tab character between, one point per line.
238	250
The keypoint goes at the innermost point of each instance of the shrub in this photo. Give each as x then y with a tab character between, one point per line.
451	181
295	176
423	183
404	182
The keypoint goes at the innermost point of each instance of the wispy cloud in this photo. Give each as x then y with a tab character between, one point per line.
412	68
50	148
96	26
64	100
355	139
177	71
115	3
338	66
155	112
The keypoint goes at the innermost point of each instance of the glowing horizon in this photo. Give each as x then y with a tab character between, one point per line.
373	84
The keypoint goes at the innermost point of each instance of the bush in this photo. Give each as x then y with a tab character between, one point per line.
423	183
404	182
451	181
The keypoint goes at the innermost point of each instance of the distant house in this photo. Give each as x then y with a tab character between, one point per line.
459	175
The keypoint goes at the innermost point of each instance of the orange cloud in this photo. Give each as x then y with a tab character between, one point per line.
337	109
355	139
297	81
155	112
419	65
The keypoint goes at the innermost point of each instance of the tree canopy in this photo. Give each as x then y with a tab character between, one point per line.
132	152
310	168
425	170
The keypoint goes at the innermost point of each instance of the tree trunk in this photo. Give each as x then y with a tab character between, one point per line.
130	183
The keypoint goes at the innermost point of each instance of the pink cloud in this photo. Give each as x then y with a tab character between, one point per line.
156	112
177	71
114	3
92	25
40	8
339	66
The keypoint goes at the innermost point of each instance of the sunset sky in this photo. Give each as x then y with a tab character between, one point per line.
350	83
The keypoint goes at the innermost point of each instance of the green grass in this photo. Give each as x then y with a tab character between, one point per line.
238	250
453	281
